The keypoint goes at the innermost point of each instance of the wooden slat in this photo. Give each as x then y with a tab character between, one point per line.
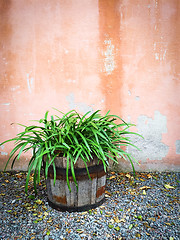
93	190
71	196
58	191
84	192
101	182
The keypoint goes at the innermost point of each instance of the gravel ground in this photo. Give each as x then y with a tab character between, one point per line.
145	207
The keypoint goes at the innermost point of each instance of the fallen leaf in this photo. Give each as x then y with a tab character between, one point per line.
167	186
112	221
167	223
83	213
130	226
110	226
46	214
144	187
38	201
108	193
128	175
112	177
116	219
44	208
122	220
149	176
79	230
49	221
139	217
144	192
117	228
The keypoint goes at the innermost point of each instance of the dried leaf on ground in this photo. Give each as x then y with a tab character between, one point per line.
167	186
112	177
144	187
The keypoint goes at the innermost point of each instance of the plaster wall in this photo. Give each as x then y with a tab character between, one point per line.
121	55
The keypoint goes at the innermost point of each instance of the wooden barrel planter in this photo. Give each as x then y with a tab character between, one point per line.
90	194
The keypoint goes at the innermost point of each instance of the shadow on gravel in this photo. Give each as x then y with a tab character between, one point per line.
145	207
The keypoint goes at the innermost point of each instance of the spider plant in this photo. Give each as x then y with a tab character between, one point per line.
72	135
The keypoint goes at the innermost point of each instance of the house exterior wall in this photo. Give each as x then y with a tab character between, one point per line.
118	55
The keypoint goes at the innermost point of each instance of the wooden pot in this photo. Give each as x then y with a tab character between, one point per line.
90	194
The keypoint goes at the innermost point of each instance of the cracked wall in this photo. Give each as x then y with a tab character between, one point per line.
113	55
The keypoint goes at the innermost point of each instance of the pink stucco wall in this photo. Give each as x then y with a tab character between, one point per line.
121	55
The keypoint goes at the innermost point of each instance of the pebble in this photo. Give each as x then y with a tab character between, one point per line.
126	214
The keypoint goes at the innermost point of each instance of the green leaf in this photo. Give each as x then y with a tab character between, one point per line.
73	136
31	196
111	226
117	228
139	217
67	172
131	226
72	171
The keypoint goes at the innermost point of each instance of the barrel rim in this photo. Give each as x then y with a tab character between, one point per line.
78	171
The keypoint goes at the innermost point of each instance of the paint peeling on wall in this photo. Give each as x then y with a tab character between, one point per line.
30	83
109	62
80	106
2	152
160	54
152	130
177	146
15	88
6	104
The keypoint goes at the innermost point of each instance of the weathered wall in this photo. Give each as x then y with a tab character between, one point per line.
121	55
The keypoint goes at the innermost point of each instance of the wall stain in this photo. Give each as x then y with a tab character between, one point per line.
7	58
111	65
151	146
80	106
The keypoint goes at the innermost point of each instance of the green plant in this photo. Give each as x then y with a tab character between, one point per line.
72	136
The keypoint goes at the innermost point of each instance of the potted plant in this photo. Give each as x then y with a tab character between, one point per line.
74	151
